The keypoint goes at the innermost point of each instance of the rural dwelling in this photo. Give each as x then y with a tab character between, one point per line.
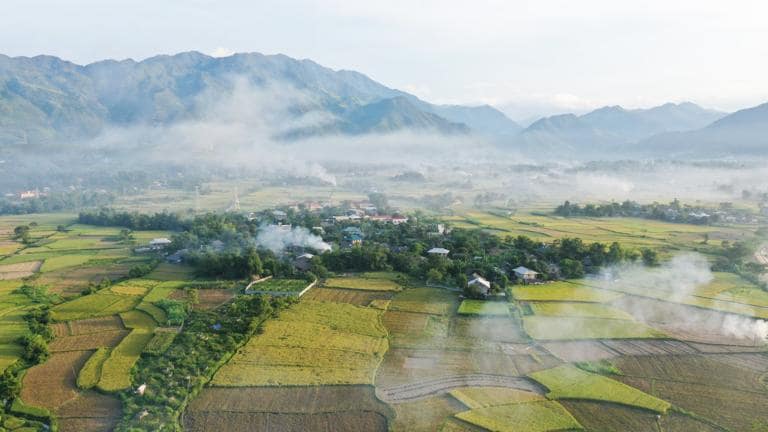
439	251
159	243
303	262
525	274
480	285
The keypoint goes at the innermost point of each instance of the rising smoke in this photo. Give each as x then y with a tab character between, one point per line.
277	238
677	281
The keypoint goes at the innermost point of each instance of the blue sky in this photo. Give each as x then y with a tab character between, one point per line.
526	57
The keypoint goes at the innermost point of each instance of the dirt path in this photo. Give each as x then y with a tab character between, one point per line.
420	390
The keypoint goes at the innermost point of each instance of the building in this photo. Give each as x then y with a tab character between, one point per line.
159	243
525	274
439	251
303	262
480	284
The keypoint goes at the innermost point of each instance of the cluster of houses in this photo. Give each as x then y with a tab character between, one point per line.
482	286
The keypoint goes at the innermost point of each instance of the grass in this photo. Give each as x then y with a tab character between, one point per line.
570	382
483	308
281	285
90	374
585	310
569	328
313	343
363	283
563	291
539	416
116	370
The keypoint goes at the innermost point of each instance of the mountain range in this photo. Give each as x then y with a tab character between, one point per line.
47	102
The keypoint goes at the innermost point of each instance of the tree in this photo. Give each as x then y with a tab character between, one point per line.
650	257
571	269
10	385
434	275
35	348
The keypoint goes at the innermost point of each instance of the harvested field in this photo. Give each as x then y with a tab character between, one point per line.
247	422
618	418
89	412
731	409
71	281
697	369
488	328
427	388
338	295
288	408
296	400
425	415
402	366
51	384
577	351
20	270
649	347
89	341
675	320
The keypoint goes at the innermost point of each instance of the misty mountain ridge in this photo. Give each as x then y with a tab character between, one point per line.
611	128
45	99
46	103
743	133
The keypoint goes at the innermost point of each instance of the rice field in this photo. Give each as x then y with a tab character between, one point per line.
363	283
569	328
540	416
310	344
94	305
483	308
434	301
563	291
90	374
569	382
116	369
281	285
579	310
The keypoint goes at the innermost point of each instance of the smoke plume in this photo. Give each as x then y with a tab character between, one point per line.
277	238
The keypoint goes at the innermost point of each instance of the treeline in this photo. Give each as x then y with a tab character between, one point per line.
673	211
132	220
55	202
